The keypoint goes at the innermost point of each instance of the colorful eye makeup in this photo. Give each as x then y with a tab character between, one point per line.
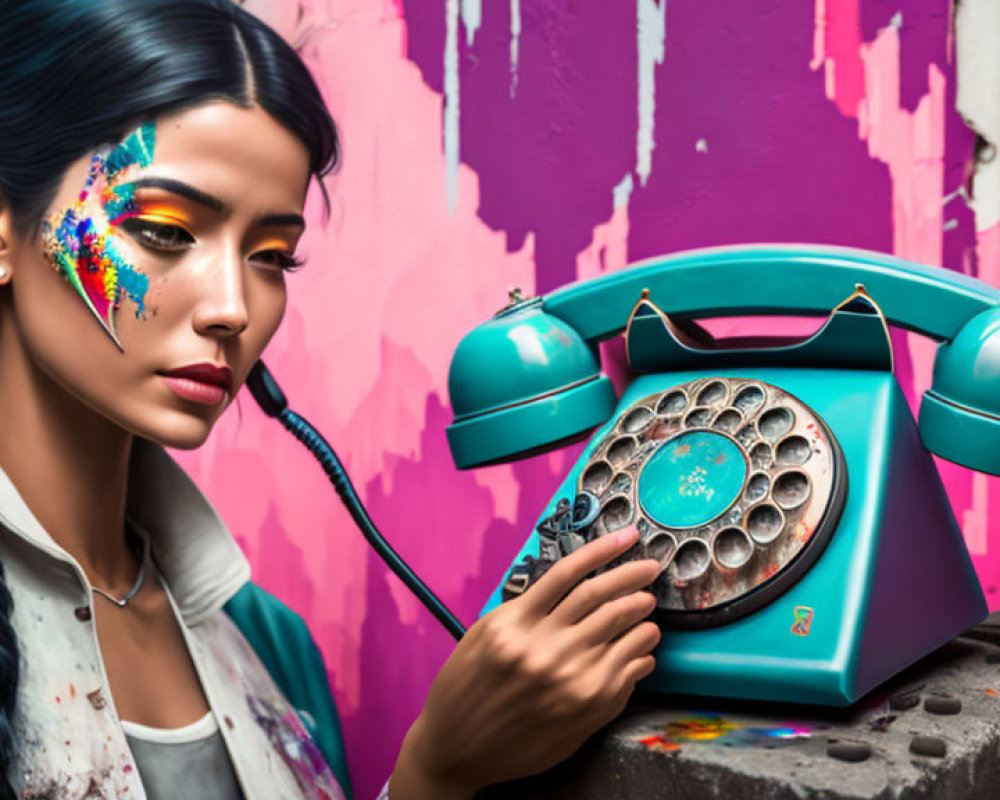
159	228
279	253
81	242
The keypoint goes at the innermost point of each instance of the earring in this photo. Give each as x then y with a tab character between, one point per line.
3	273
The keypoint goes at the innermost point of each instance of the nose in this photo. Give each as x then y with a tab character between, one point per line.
222	310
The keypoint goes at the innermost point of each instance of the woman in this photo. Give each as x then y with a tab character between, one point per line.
154	160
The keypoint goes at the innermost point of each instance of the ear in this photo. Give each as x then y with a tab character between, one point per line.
6	236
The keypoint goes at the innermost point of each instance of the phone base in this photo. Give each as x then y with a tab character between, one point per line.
894	582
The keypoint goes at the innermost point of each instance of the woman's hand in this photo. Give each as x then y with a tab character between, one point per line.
532	679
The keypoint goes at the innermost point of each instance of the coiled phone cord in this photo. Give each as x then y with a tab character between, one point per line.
271	399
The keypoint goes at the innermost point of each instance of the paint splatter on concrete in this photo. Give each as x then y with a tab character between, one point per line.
718	729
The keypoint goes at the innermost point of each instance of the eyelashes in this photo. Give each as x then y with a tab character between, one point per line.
279	258
160	236
166	238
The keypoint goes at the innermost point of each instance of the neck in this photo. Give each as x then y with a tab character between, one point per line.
69	464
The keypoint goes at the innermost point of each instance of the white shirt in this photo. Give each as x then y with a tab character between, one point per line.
189	762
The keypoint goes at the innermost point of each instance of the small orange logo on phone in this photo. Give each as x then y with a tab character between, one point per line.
803	620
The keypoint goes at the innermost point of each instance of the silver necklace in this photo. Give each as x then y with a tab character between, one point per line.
140	579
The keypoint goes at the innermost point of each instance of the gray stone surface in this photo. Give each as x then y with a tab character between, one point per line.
627	760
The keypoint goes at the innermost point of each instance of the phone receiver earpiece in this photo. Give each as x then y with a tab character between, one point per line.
521	383
960	414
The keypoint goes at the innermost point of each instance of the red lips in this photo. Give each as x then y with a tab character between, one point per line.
205	373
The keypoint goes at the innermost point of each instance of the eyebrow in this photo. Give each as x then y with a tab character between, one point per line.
283	219
204	199
182	189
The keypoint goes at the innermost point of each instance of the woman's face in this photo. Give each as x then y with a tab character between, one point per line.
188	227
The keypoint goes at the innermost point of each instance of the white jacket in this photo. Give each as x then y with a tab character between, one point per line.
70	741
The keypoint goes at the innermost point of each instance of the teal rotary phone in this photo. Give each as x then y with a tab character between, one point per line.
808	550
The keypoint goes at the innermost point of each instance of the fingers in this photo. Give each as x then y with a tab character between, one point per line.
634	644
570	570
618	687
634	671
637	669
614	618
594	592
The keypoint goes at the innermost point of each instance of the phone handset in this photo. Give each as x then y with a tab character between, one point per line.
530	379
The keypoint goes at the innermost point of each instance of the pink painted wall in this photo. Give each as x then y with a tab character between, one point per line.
488	145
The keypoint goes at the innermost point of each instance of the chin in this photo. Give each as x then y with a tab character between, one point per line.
183	443
180	432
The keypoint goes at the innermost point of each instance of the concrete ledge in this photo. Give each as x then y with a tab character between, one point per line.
692	749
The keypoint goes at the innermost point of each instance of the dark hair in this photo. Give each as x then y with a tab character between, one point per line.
77	74
10	669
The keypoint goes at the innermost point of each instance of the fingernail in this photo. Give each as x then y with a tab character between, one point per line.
627	535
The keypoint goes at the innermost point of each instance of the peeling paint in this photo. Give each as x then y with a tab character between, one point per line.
978	71
608	248
651	27
622	191
451	104
975	518
837	49
472	19
515	43
910	144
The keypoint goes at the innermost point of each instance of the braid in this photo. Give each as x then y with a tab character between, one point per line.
9	669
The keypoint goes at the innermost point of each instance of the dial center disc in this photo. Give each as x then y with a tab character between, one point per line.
692	479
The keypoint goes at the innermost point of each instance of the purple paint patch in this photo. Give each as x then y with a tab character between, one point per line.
297	749
548	156
782	163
